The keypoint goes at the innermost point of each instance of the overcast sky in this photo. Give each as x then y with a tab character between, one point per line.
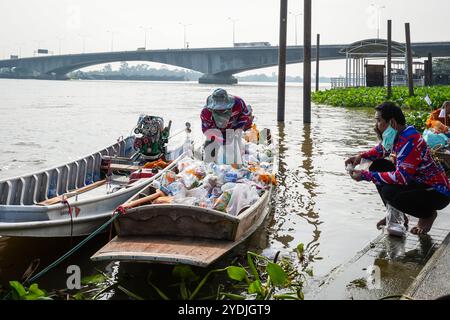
27	24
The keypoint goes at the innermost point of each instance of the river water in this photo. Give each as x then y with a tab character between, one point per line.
46	123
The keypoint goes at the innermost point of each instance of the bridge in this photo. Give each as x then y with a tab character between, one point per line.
218	65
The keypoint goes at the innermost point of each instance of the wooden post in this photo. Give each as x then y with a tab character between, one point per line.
307	62
430	69
317	62
282	61
389	60
409	59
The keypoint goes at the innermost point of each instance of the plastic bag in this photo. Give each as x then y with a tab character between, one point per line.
210	181
433	139
168	178
177	189
198	193
220	171
189	180
395	221
221	203
228	187
184	163
189	201
243	196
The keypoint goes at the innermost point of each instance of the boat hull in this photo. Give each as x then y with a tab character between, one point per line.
85	215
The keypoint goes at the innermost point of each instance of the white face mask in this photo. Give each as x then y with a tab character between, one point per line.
389	136
222	118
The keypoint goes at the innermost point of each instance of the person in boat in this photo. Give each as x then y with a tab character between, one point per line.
439	119
224	114
412	182
223	111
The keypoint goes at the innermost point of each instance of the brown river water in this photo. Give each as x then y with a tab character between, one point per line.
46	123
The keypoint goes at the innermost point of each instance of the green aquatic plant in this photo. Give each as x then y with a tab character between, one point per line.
21	292
416	108
257	278
417	119
260	279
371	97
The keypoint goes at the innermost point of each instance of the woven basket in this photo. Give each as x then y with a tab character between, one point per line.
443	158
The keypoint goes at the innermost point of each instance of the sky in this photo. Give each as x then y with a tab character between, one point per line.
74	26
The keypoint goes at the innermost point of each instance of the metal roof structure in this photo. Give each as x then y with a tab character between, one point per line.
374	48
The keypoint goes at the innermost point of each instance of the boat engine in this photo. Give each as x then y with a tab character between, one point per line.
154	137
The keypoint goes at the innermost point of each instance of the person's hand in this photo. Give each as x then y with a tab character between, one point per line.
354	161
356	175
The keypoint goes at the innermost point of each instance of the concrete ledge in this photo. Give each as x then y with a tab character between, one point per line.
433	281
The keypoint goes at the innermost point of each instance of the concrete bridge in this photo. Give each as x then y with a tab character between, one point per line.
218	65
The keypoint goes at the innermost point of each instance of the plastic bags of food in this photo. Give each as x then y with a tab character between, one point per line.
243	197
168	178
177	189
221	203
188	201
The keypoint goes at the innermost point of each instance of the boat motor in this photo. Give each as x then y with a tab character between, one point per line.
154	137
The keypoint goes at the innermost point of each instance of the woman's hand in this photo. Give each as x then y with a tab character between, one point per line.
356	175
354	161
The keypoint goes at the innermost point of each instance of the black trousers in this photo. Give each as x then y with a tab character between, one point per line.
418	200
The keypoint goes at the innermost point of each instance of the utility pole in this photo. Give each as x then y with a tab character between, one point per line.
389	59
185	25
282	61
307	62
430	68
112	39
296	15
234	29
409	59
378	8
83	38
145	36
317	62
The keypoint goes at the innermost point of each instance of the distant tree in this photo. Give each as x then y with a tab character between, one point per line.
107	68
441	66
124	68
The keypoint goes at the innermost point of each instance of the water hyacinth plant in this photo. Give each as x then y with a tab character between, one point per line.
416	108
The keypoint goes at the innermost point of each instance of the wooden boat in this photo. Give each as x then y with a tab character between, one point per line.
75	198
177	233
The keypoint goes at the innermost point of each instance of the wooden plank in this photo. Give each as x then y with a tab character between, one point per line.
167	250
73	193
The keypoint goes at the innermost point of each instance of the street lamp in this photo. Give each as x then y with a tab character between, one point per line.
296	15
83	37
145	32
60	41
185	25
112	38
19	49
234	28
378	8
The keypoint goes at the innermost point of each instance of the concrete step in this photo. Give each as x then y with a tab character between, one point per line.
385	267
433	281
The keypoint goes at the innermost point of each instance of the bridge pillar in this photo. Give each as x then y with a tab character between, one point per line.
217	79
